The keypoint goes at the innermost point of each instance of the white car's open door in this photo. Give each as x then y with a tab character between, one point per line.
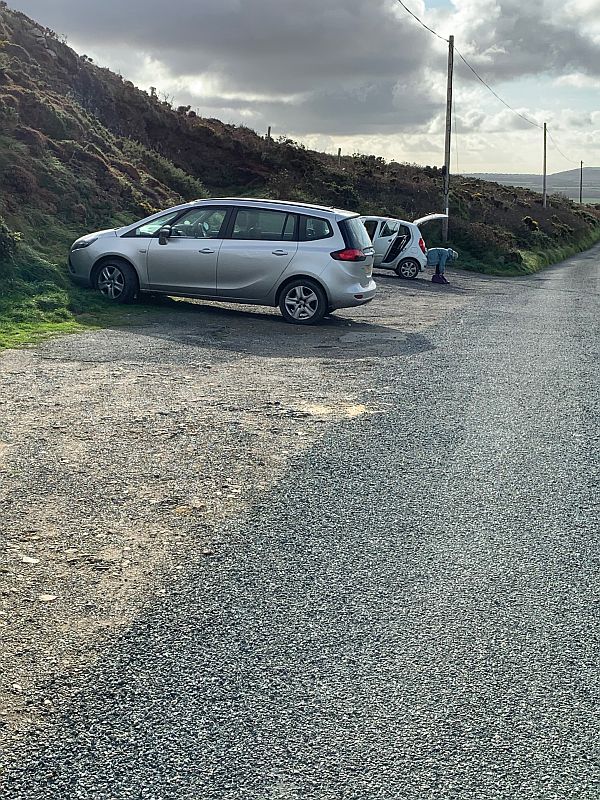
429	218
386	233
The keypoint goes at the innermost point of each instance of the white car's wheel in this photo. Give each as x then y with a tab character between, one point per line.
409	268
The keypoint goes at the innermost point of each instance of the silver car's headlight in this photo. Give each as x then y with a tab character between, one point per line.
81	243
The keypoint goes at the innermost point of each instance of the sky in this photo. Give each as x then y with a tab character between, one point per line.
363	75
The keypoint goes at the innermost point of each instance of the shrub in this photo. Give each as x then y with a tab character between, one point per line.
9	115
20	180
531	224
35	140
513	257
9	241
78	212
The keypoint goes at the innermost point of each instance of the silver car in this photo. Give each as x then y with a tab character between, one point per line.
306	259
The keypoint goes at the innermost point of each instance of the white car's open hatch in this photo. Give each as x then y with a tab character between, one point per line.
430	217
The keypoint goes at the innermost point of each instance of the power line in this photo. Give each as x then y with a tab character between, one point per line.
487	86
479	78
420	21
473	70
570	160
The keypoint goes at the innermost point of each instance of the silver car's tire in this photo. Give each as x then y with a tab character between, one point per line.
302	302
117	281
408	269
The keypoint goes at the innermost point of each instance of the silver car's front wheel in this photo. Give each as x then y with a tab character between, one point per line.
303	303
117	281
111	282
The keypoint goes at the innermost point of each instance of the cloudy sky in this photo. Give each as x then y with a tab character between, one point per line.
363	75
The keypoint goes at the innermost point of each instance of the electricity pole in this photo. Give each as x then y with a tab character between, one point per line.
544	193
448	136
581	183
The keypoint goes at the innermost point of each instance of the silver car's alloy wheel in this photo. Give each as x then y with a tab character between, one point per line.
301	302
111	282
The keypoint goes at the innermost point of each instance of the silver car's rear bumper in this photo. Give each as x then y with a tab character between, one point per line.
356	295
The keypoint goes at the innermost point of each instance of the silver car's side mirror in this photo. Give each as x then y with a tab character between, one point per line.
164	234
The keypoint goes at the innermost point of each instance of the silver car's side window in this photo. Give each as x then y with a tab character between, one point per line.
313	228
150	229
199	223
262	224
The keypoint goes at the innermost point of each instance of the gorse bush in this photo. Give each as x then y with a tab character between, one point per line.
163	170
531	224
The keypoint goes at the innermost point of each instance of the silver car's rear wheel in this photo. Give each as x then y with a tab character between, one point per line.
302	302
117	281
409	269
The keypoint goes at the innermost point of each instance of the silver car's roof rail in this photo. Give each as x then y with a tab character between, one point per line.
266	200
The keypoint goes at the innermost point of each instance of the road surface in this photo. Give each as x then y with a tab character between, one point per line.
410	610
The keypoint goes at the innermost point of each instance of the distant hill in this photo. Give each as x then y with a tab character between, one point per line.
566	183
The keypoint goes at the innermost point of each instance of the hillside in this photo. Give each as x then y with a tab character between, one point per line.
566	183
82	148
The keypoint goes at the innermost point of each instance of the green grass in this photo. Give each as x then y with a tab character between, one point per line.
27	319
38	302
27	333
533	260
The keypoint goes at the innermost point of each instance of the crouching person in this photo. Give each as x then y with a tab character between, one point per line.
438	257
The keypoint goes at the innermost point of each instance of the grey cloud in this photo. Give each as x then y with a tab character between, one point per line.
532	38
278	45
355	67
373	109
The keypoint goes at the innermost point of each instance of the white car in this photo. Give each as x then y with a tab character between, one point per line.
399	245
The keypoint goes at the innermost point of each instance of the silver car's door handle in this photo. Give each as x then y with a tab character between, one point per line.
206	250
280	252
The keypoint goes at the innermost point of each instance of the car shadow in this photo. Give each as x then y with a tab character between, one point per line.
262	331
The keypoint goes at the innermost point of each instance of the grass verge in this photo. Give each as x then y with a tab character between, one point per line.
533	260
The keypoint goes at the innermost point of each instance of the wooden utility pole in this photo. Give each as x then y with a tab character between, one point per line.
544	192
580	182
339	156
448	136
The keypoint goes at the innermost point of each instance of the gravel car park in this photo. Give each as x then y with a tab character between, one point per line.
239	565
306	259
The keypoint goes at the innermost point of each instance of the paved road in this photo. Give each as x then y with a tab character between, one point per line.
412	612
